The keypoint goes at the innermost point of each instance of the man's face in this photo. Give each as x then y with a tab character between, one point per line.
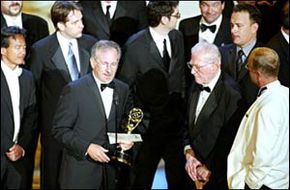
203	69
173	19
73	28
242	29
105	64
15	53
12	8
211	10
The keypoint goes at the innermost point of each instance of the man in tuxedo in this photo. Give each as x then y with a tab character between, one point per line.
259	157
210	26
18	110
213	117
35	26
87	110
245	22
280	43
55	61
114	20
159	48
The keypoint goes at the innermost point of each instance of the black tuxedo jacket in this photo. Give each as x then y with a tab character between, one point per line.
79	121
129	18
50	71
36	28
280	45
28	116
141	56
190	29
248	89
212	135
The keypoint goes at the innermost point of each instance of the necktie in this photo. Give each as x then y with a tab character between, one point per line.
261	90
239	61
72	64
165	58
108	15
206	88
212	28
110	85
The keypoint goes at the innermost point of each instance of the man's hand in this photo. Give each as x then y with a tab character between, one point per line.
126	145
15	152
191	167
98	153
203	173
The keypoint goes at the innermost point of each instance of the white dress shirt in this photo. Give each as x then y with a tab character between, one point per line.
107	97
158	39
12	78
13	20
207	35
260	152
112	9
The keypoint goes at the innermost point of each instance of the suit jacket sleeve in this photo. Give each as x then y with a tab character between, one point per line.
65	116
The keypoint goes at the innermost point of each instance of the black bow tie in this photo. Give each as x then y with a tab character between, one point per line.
110	85
212	28
206	88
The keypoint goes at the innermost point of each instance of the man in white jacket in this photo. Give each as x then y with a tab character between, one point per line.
259	157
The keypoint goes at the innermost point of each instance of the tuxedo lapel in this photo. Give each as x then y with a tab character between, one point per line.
120	10
209	106
153	50
3	21
84	61
59	61
99	16
22	89
5	93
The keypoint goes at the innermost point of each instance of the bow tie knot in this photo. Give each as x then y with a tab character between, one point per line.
206	88
212	28
110	85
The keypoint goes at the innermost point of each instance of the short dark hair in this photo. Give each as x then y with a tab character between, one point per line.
61	9
10	32
285	15
254	12
222	1
157	9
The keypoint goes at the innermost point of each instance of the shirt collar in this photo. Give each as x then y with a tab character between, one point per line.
248	48
113	7
8	71
13	20
64	43
213	82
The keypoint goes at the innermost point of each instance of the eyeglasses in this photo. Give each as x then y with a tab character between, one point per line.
105	64
197	67
177	15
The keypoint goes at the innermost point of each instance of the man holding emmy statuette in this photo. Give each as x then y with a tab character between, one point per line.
87	110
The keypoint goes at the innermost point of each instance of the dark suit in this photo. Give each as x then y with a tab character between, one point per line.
79	121
248	89
280	45
212	135
190	28
28	118
159	94
48	66
36	29
129	18
35	26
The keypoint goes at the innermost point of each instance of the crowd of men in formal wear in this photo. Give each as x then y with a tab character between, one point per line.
214	93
